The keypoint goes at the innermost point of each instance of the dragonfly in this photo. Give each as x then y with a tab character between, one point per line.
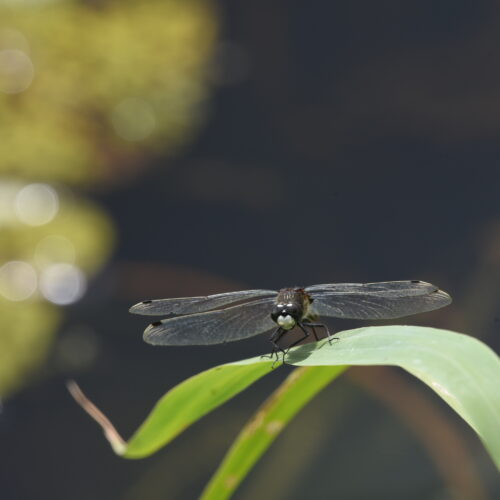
227	317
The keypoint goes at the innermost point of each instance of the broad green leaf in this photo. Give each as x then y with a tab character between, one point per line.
462	370
180	407
191	400
266	424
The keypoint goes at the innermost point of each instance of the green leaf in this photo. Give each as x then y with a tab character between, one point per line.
462	370
180	407
302	385
191	400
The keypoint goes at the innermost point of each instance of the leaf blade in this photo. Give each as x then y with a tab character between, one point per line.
191	400
259	433
460	369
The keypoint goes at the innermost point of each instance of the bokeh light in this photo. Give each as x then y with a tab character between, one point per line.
44	226
16	71
53	242
18	280
62	284
37	204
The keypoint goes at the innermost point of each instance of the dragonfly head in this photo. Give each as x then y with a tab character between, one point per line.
286	315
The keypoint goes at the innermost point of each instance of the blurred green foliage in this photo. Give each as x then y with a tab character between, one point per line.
88	92
27	331
112	82
80	235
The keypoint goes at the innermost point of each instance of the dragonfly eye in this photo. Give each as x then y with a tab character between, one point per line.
285	310
276	312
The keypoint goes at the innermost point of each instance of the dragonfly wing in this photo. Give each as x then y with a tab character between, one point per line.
378	300
189	305
386	287
213	327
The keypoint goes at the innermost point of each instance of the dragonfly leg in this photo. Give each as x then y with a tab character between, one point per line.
306	334
314	331
321	325
274	338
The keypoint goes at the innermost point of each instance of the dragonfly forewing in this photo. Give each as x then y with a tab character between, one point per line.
189	305
385	288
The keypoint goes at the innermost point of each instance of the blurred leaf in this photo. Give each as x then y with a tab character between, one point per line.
80	236
112	82
81	232
258	434
26	333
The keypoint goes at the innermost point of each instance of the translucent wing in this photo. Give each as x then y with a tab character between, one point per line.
385	300
214	327
188	305
386	287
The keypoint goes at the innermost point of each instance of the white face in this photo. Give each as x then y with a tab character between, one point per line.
286	322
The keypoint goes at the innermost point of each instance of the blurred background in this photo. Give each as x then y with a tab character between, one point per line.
182	147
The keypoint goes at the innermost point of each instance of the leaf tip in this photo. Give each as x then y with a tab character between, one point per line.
115	440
